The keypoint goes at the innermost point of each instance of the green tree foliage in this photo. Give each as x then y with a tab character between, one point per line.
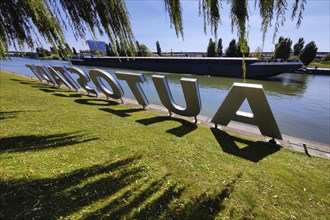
239	16
283	48
74	51
173	7
53	50
99	53
138	52
293	59
308	54
210	10
211	49
159	50
68	49
219	48
109	50
144	50
242	48
64	51
231	49
257	53
23	22
42	52
237	49
298	46
119	48
326	58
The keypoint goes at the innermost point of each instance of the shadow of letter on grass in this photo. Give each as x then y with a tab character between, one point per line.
254	151
12	114
121	113
97	102
73	95
22	81
185	128
40	142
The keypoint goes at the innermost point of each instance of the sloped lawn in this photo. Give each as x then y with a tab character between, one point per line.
67	155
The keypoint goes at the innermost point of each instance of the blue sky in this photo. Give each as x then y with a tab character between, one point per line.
150	23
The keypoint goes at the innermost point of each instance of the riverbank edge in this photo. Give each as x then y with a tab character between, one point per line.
312	148
309	147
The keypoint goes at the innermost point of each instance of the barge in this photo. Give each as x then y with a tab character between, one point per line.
224	67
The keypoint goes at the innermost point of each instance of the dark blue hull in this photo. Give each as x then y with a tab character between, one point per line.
224	67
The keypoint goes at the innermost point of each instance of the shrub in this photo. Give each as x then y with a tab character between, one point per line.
51	57
283	48
308	54
326	58
55	57
294	58
211	49
144	51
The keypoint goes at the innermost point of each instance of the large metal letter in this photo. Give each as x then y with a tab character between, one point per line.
42	70
67	77
35	71
261	116
117	91
191	95
58	78
133	80
82	80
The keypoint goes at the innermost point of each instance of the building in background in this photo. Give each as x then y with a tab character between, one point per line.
96	45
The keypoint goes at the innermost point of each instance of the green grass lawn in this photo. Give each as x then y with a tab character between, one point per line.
320	65
67	155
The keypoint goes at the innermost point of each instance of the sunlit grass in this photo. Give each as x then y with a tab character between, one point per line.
64	154
320	65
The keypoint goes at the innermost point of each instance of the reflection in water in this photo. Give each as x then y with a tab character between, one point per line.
300	102
288	84
285	84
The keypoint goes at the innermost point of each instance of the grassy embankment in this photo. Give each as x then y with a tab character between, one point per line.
64	154
320	65
51	57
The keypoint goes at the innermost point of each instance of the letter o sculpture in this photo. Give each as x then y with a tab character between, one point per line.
117	91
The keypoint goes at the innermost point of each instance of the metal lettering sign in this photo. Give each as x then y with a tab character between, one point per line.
66	75
47	76
96	76
35	72
133	80
261	116
82	80
59	79
190	91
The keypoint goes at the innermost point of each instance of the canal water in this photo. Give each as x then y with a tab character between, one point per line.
300	102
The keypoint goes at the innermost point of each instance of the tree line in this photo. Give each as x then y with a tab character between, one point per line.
235	49
305	54
283	50
118	49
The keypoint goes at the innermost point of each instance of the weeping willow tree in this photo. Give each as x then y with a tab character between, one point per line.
272	12
24	22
